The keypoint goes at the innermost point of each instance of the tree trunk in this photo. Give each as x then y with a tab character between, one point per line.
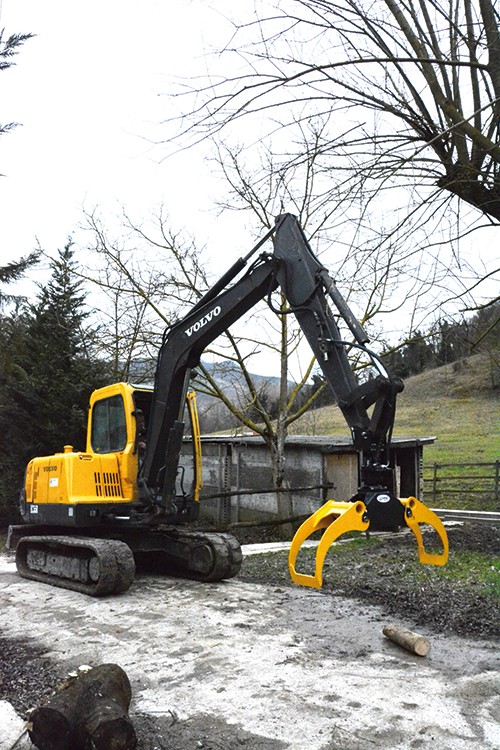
88	712
284	499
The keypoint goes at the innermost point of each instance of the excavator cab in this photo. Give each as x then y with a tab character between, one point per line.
119	418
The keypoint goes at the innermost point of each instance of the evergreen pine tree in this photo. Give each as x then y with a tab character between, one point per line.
53	369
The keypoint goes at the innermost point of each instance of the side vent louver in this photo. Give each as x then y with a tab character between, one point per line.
107	484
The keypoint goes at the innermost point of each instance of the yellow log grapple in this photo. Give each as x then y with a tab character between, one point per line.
337	518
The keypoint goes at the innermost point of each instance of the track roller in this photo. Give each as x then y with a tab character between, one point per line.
182	553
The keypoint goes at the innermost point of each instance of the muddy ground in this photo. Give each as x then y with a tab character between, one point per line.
198	683
382	572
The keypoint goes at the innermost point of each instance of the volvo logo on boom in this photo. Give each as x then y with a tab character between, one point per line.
203	321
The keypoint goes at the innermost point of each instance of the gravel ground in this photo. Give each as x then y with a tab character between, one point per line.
386	572
382	571
26	678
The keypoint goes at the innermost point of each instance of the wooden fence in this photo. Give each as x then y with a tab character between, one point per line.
472	485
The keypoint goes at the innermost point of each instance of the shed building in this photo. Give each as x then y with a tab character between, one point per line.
237	475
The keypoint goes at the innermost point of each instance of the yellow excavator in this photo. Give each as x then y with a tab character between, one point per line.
89	516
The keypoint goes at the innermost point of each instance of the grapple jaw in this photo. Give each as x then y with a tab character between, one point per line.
417	513
336	518
380	512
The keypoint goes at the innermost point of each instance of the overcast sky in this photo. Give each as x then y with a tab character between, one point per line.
89	92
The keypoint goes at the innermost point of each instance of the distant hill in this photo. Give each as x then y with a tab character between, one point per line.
229	378
478	375
214	416
458	403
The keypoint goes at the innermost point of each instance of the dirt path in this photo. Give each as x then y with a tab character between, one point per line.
238	664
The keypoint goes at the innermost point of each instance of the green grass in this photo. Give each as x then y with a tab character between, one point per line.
466	429
476	571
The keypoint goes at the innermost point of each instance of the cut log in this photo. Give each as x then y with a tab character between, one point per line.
88	711
405	638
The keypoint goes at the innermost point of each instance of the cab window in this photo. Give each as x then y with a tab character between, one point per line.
109	429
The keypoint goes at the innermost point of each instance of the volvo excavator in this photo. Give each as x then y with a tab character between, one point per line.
89	516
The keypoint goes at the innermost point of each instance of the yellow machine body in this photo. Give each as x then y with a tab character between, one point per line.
93	476
74	477
57	486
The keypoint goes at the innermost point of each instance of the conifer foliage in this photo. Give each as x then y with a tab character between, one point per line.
9	47
49	365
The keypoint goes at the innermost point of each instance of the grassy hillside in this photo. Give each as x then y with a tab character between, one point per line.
458	404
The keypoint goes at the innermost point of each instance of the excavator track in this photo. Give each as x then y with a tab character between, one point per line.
97	567
196	555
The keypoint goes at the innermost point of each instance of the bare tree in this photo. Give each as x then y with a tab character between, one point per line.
180	278
388	273
409	93
263	190
138	298
144	297
428	70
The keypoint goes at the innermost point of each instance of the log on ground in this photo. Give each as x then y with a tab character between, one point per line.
407	639
90	710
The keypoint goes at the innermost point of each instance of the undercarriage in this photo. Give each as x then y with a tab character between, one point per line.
106	566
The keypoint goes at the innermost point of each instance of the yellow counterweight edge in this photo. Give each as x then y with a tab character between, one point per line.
417	513
336	518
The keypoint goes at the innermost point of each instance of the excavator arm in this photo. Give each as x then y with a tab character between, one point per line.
368	408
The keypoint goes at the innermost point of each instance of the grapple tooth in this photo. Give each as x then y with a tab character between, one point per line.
417	513
336	518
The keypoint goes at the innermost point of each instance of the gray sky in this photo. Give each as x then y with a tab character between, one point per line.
87	91
90	93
